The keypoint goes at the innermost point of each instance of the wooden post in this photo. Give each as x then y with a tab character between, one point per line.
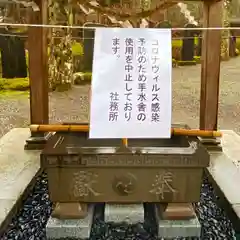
211	56
38	73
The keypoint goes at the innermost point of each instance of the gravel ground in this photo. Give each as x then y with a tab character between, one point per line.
73	107
31	221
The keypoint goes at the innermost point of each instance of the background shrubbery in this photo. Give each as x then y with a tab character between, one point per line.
22	84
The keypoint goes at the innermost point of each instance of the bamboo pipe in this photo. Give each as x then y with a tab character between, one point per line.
195	132
85	128
125	142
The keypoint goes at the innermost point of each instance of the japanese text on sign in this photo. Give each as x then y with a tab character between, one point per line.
131	84
128	78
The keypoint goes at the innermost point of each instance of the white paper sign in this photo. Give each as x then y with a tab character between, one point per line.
131	83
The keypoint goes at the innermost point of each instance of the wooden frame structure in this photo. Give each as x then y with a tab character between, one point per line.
209	72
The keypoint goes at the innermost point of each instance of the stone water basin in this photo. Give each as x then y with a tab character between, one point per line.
80	169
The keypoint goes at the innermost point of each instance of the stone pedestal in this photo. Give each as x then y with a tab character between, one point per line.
179	221
211	143
70	228
179	228
73	210
118	213
37	141
177	211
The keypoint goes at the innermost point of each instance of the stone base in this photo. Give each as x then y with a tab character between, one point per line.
70	210
71	228
177	211
211	143
179	228
37	141
118	213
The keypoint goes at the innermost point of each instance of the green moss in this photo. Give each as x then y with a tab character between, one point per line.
179	42
186	63
13	94
77	49
196	41
197	59
176	43
15	84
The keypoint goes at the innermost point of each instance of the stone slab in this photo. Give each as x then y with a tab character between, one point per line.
70	228
231	144
226	175
179	228
224	171
17	169
5	209
129	213
224	167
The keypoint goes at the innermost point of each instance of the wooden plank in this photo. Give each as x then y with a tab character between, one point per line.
212	14
38	70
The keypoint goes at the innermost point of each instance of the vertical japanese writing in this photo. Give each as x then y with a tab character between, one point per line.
142	78
135	99
116	46
155	105
113	112
113	107
129	46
